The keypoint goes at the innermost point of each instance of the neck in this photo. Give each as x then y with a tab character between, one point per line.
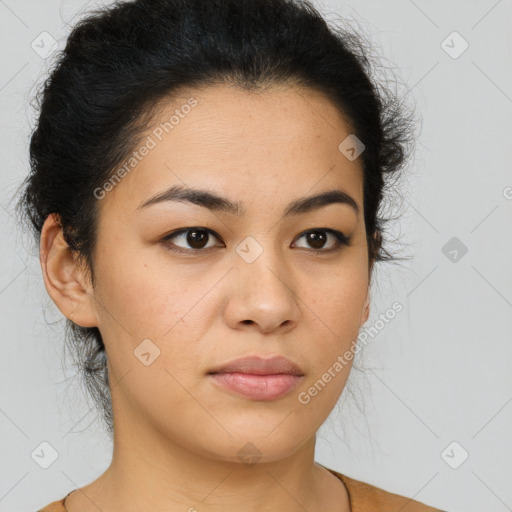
148	471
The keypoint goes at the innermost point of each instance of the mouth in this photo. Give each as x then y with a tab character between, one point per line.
258	378
259	365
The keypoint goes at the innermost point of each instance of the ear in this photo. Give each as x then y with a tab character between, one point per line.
366	312
378	240
66	283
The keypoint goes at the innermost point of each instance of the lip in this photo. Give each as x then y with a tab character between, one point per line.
259	365
258	378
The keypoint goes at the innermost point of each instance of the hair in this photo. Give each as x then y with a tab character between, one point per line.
121	61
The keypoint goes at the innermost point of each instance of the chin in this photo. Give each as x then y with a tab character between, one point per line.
249	447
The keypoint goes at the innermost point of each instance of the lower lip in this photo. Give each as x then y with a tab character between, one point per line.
257	387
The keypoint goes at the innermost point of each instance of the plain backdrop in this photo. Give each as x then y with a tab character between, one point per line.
431	415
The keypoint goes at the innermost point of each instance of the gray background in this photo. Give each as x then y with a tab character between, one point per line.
438	373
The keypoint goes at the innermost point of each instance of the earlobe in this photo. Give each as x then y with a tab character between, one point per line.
366	313
64	280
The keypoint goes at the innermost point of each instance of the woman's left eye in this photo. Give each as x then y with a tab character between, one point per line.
197	238
317	237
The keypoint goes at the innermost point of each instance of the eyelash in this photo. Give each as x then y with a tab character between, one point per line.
341	239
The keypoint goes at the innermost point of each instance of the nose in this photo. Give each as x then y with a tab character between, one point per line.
263	296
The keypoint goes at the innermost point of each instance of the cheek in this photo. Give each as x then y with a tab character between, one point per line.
150	330
336	298
157	316
146	295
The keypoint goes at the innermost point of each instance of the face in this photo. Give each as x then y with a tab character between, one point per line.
182	288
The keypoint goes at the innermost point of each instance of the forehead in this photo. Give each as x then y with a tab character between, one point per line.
267	146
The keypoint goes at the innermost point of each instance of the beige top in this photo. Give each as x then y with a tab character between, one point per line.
363	498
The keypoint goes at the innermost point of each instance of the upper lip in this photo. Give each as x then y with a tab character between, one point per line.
259	365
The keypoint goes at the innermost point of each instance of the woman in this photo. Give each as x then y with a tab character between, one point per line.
206	179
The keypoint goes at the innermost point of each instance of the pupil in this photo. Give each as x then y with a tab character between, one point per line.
197	238
316	239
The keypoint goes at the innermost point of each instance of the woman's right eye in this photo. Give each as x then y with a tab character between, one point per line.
196	237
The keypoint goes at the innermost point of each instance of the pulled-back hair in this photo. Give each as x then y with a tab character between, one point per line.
121	61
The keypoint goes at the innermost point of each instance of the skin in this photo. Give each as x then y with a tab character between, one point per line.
177	435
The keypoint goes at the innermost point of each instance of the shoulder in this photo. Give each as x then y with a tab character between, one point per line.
55	506
368	498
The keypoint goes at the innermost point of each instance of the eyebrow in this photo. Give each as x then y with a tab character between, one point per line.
218	203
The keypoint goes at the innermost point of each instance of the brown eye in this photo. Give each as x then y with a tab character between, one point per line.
196	238
317	239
